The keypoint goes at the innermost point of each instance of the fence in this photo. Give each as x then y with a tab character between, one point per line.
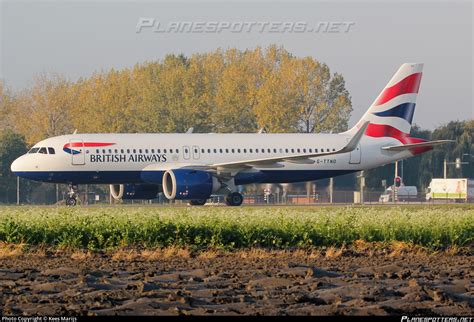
340	197
100	195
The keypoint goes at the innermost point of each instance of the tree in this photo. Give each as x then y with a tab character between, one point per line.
12	145
301	95
44	110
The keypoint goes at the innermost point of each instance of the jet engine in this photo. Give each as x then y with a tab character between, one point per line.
185	184
134	191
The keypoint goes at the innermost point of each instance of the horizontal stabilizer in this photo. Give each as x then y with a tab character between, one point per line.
416	145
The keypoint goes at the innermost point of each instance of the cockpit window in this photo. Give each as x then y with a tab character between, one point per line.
51	150
33	150
43	151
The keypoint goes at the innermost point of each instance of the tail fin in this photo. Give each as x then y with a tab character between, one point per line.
392	111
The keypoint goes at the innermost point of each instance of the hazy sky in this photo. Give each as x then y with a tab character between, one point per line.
76	38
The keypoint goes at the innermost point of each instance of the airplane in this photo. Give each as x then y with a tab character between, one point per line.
191	166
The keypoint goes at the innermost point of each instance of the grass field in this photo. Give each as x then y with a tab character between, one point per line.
98	228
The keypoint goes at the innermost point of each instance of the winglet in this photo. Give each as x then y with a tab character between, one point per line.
355	138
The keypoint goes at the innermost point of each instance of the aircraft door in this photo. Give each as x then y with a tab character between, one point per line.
196	154
78	155
355	155
186	152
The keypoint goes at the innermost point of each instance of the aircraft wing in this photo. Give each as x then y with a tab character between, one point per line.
274	162
415	145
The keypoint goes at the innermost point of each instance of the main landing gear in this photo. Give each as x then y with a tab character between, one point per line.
234	199
197	202
71	199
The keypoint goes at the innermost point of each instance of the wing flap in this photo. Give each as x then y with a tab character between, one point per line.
300	161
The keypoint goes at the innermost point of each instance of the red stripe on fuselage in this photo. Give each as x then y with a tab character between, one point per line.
408	85
86	144
381	130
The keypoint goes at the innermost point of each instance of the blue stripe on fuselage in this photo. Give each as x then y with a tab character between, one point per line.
119	177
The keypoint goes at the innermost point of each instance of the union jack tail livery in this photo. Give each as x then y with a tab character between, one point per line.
391	114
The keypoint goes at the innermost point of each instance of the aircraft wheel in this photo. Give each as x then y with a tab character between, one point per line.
234	199
71	201
197	202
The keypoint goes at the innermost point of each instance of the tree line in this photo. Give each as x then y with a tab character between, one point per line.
220	91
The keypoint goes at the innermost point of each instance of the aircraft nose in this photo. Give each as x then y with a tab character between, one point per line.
17	165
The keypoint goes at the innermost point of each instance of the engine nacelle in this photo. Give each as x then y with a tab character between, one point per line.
135	191
185	184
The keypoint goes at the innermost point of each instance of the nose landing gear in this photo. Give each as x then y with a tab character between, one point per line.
71	199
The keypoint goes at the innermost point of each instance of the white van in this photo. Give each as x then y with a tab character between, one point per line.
404	193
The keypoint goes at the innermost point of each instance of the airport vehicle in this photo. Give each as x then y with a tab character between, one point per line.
454	189
193	166
404	193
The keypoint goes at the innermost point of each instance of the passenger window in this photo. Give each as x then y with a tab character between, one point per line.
177	150
286	150
116	151
226	150
304	150
43	151
233	151
220	150
140	150
146	151
251	150
134	151
158	150
164	150
203	151
245	150
208	150
316	150
274	150
110	151
298	150
128	150
333	150
215	150
292	150
310	150
51	151
103	151
97	151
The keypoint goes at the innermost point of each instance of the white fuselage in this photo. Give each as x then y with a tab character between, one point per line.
124	158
